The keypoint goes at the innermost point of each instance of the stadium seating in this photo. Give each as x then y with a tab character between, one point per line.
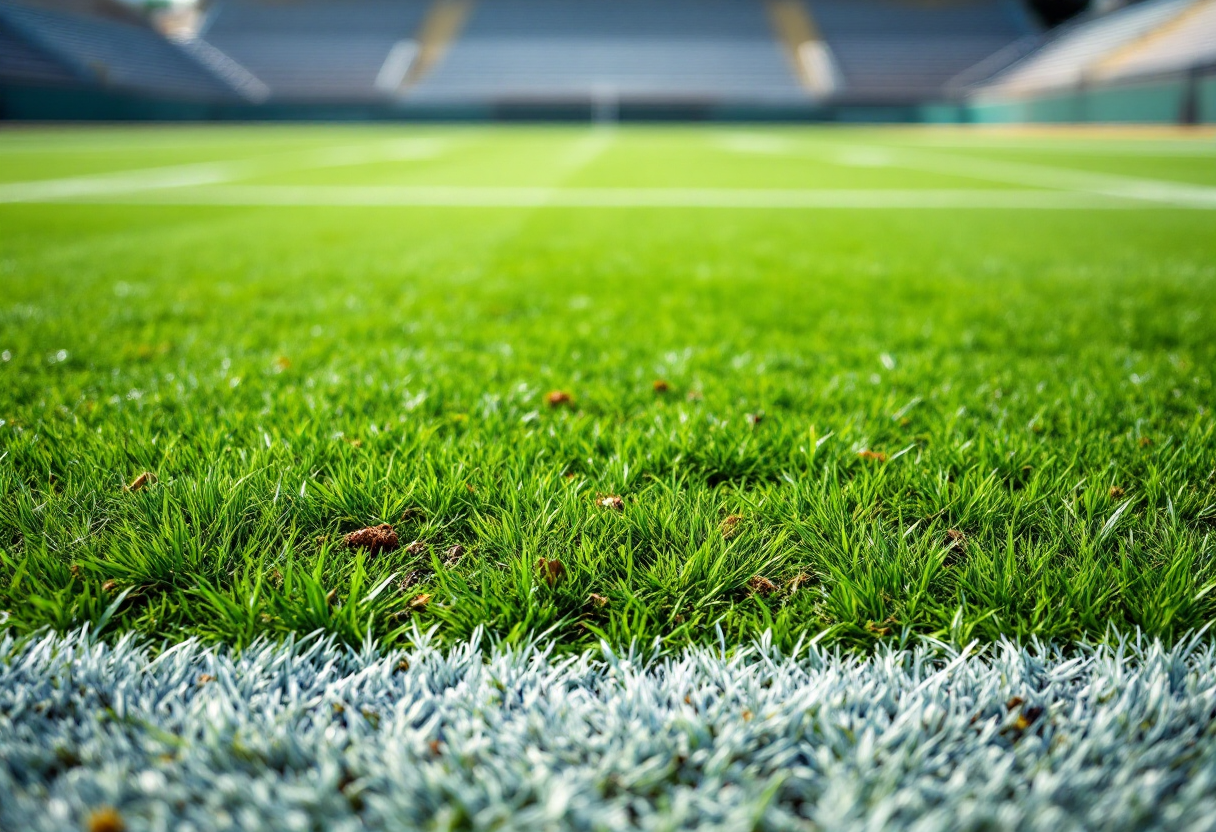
107	52
25	62
313	50
1187	40
890	51
631	50
1073	52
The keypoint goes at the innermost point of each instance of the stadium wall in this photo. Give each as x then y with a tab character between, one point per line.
1178	98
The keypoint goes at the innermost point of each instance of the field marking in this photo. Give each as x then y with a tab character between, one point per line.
1107	736
1031	174
1024	174
559	197
214	173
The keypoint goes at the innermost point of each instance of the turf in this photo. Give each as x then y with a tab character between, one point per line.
970	422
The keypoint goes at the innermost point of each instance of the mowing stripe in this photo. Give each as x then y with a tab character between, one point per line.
312	736
530	197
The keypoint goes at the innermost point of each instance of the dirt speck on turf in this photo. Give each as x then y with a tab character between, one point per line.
559	398
661	386
416	548
1116	492
730	526
142	481
761	585
453	555
877	456
598	600
551	570
374	539
414	576
105	819
612	501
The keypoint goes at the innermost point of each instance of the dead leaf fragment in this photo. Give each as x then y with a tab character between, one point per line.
453	555
416	548
1027	717
877	456
551	570
109	586
105	819
955	539
331	597
612	501
599	600
799	580
411	578
661	386
761	585
142	481
558	398
375	539
204	678
730	526
420	601
1145	441
1116	492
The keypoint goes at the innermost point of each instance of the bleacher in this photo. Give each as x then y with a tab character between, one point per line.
893	51
627	50
313	50
1068	58
26	62
1188	40
106	52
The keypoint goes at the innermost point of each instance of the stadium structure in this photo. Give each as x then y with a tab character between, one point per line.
844	60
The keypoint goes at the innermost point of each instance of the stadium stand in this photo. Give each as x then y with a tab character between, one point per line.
891	52
1067	58
26	62
639	50
1186	41
107	52
314	50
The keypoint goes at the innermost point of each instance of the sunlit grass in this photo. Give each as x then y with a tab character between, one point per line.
1035	389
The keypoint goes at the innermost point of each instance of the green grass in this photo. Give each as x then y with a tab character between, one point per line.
1039	380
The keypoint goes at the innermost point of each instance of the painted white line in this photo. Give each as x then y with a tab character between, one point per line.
1024	174
1029	174
286	735
213	173
528	197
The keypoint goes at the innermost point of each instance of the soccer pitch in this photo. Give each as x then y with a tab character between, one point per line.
893	390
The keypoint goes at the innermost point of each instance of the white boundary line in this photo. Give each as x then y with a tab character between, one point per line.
213	173
558	197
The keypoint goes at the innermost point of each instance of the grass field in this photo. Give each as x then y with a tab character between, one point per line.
946	383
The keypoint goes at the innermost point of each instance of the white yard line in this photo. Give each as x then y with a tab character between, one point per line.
309	735
1024	174
211	173
559	197
1034	175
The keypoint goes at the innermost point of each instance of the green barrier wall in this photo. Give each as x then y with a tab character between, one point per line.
1161	101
